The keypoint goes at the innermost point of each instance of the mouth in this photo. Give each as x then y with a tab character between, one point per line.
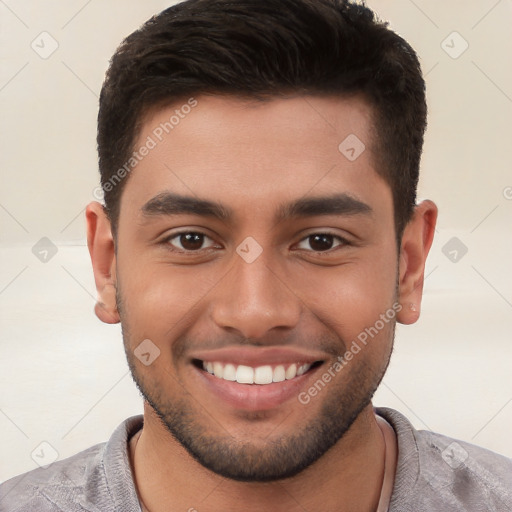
254	379
262	375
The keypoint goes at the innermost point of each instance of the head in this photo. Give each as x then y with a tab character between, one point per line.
244	234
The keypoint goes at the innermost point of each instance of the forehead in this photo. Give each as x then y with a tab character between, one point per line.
256	155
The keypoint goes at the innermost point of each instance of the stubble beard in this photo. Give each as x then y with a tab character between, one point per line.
282	455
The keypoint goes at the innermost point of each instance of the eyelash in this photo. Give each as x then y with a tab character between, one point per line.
342	241
167	241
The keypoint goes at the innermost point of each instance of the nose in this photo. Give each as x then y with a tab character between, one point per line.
253	299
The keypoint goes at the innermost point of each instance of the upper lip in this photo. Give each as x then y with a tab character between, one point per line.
259	356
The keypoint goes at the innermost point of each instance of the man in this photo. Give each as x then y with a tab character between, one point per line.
260	239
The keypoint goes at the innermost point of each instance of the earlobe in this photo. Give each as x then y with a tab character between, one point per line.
102	251
416	242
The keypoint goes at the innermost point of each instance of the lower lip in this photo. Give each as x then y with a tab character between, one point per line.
254	397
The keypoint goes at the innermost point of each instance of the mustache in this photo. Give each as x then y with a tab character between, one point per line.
329	343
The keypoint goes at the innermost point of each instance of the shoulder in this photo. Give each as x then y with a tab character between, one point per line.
436	472
36	489
98	478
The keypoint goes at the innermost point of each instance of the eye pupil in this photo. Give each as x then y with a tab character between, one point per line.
191	241
321	242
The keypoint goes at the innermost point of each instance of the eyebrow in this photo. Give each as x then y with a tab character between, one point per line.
337	204
168	203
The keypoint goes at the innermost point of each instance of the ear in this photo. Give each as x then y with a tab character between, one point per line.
102	251
416	242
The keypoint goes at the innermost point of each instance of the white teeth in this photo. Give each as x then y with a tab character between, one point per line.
259	375
279	374
218	370
291	372
263	375
303	369
244	374
229	372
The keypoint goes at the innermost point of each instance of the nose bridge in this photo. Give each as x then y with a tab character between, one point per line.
254	299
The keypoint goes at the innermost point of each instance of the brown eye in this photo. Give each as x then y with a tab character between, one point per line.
190	241
321	242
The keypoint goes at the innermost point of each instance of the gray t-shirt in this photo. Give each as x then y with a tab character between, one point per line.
434	473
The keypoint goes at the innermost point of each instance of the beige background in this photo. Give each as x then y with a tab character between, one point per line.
63	376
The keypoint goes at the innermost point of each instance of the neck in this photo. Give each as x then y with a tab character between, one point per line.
348	477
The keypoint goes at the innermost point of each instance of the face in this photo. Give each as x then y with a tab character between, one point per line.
251	249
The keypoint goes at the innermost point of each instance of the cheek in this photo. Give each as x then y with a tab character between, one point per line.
159	300
351	297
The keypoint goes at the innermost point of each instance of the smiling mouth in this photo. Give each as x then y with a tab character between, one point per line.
261	375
